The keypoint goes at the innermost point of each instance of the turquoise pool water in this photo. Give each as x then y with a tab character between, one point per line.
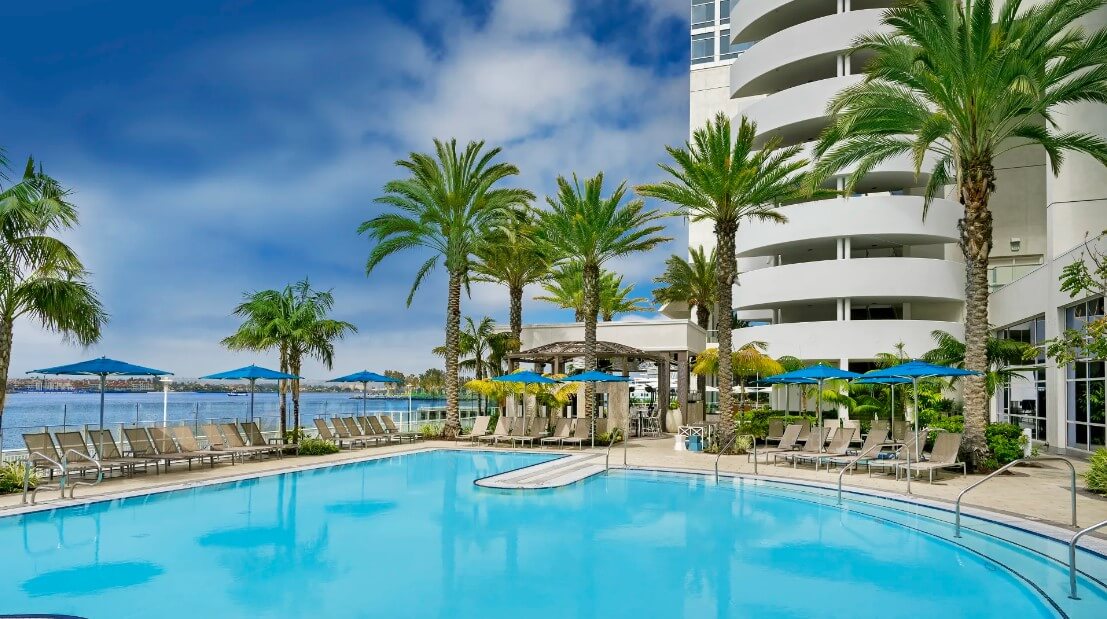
411	536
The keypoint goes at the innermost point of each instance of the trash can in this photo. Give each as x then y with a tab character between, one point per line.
678	445
695	443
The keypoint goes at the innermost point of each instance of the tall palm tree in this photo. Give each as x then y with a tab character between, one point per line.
510	256
447	205
964	82
748	362
565	288
296	321
724	178
692	282
584	227
1004	357
41	278
479	345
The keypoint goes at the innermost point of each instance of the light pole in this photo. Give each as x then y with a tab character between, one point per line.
410	389
165	380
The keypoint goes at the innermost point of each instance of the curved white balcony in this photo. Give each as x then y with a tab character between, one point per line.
797	114
897	219
849	339
751	20
862	279
800	54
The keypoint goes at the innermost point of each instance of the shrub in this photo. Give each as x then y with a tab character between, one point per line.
294	435
493	418
11	478
431	431
1006	441
607	438
1096	477
953	423
317	447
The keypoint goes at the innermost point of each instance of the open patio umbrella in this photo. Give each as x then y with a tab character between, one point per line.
819	373
891	381
253	374
525	377
596	376
787	389
102	367
913	371
364	377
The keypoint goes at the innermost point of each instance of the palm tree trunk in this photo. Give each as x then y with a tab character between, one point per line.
5	363
453	329
294	366
977	184
282	387
591	292
515	315
702	319
725	273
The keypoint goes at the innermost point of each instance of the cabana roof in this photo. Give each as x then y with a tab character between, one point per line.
547	353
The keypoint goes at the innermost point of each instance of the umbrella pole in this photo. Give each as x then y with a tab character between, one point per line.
819	412
915	389
253	381
100	449
364	396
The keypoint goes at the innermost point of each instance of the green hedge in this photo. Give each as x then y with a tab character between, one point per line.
317	447
1096	477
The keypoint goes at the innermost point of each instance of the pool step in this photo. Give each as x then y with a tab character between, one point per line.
553	474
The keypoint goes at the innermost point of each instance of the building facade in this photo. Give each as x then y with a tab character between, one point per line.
846	279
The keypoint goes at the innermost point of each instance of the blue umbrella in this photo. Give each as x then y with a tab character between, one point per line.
913	371
102	367
364	377
788	392
869	379
818	373
253	374
596	376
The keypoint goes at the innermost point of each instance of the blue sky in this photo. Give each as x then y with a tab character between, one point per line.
219	146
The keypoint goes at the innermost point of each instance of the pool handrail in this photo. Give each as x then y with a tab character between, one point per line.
28	466
1072	555
729	444
99	470
957	504
850	465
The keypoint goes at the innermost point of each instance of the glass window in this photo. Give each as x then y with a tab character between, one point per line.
703	48
724	11
726	50
703	13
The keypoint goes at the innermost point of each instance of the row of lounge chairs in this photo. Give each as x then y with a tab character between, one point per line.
534	430
155	445
358	431
898	429
838	452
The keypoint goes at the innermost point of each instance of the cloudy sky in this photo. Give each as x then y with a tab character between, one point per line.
220	146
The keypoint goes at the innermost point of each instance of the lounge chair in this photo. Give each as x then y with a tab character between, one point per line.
901	455
502	431
480	428
805	430
41	450
856	426
75	441
582	433
787	442
167	447
873	443
233	441
348	429
257	439
325	433
157	444
899	430
379	428
367	429
838	446
562	429
877	425
529	434
111	452
776	431
390	427
229	445
944	456
187	440
812	446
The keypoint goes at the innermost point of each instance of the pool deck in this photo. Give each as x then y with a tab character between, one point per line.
1036	493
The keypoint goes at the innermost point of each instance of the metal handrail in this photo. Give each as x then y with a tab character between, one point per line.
607	458
1072	556
957	508
853	462
28	466
99	470
722	450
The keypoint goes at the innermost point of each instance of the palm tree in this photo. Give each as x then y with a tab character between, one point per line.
478	345
749	361
295	321
965	83
448	205
1004	356
509	256
691	282
584	227
41	278
726	179
565	288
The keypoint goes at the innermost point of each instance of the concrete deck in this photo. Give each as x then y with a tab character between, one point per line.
1038	493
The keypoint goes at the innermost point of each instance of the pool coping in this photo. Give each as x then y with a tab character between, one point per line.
1054	532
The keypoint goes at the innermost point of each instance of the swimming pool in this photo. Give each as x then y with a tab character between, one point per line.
412	536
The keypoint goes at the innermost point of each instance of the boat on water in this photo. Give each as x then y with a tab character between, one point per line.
235	394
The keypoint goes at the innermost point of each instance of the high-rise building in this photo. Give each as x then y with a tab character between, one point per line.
848	278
